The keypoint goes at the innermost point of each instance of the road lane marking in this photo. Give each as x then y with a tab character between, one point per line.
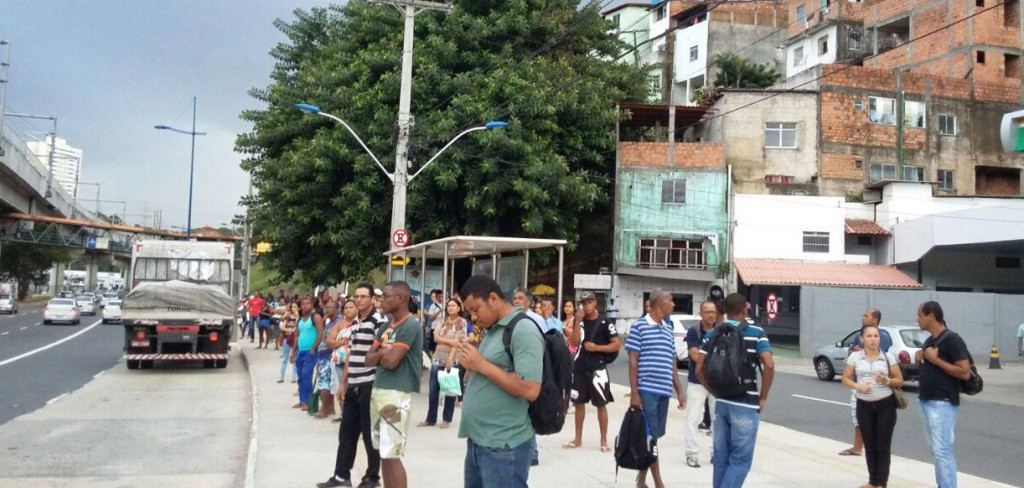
5	333
822	400
50	345
52	400
25	327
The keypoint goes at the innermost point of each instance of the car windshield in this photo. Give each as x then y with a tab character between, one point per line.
5	297
114	303
66	303
914	338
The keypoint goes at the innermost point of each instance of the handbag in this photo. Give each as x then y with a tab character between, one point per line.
449	382
898	394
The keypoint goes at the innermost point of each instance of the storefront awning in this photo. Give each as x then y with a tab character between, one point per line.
865	228
795	273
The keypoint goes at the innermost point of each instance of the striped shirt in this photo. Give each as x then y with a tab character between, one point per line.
866	370
363	334
757	343
655	343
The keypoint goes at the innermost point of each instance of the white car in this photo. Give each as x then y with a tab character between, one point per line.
61	310
830	361
85	305
680	324
107	297
8	304
112	312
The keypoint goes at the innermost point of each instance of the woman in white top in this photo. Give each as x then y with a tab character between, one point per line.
872	374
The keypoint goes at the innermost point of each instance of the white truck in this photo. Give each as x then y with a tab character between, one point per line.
179	307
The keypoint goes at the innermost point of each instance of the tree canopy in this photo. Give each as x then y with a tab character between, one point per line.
737	72
26	264
543	66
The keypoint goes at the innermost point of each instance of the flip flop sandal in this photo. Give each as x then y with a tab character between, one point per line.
606	449
569	445
849	452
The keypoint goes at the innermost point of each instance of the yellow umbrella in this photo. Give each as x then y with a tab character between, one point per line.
542	289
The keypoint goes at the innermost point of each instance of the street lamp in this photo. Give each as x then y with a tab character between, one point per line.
400	178
192	163
53	146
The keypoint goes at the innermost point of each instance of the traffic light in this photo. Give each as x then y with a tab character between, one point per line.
1011	132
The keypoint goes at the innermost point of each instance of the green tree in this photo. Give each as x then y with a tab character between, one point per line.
737	72
26	264
324	204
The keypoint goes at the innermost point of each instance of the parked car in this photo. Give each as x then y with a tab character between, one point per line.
680	324
85	305
112	312
906	341
8	304
61	310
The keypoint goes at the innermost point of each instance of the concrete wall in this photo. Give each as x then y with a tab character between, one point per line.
811	57
967	269
628	292
907	201
758	41
685	69
827	314
633	30
772	227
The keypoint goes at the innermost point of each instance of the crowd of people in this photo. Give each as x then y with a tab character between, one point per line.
364	353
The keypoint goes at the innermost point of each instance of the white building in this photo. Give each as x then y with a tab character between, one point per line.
67	162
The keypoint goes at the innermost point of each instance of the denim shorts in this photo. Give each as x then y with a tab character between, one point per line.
655	412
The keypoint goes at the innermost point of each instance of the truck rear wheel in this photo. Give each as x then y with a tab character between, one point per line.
222	363
208	363
146	364
133	364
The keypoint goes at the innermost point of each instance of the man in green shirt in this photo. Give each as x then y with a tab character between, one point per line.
396	352
495	420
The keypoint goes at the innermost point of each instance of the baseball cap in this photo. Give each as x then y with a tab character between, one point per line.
378	292
587	295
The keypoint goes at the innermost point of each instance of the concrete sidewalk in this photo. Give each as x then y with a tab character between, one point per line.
290	449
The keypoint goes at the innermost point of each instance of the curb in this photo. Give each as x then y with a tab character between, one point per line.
250	461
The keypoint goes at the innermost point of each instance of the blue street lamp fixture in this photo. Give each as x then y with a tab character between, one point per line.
192	164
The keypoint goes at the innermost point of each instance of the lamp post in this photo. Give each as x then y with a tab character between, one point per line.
400	182
97	185
192	163
53	146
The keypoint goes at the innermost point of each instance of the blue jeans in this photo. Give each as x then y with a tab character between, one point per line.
305	361
435	392
655	413
487	467
250	326
285	352
939	420
735	434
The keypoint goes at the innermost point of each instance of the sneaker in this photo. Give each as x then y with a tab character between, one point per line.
692	462
333	482
703	427
368	483
535	462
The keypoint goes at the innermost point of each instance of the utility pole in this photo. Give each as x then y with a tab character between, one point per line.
6	65
246	252
405	120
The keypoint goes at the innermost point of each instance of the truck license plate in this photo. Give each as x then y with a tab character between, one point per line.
144	343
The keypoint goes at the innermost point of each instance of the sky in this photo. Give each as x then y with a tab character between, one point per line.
110	70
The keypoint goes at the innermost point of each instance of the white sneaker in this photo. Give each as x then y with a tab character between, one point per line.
692	462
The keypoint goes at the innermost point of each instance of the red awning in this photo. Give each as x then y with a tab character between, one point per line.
865	228
795	273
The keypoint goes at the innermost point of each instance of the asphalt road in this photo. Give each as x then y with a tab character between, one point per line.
989	436
28	380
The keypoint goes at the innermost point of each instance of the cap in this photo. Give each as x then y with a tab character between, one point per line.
378	292
587	295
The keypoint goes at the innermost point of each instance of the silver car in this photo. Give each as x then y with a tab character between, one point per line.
681	323
8	304
85	305
112	312
906	341
61	310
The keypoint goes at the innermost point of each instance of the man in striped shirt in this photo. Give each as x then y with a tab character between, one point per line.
737	417
355	412
652	371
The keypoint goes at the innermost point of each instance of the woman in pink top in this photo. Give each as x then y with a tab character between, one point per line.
568	321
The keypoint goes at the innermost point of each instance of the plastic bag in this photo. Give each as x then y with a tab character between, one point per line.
449	382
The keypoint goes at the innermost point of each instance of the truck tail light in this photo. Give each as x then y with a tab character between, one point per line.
904	357
140	335
214	336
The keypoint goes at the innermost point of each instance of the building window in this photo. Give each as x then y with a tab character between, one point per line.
882	110
693	53
822	45
1011	9
1011	66
1007	262
855	38
946	180
913	173
616	20
671	253
947	124
660	13
979	3
798	56
979	56
800	15
913	114
882	171
863	240
816	242
673	191
858	105
780	135
824	6
779	179
655	84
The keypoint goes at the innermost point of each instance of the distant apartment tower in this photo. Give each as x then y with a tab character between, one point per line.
67	162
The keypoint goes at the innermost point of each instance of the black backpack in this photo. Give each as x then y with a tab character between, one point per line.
547	412
727	367
635	447
609	357
974	384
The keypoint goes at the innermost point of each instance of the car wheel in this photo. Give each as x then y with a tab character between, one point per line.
823	368
46	322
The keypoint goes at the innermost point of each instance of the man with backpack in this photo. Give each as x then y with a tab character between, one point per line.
653	377
496	418
732	352
598	344
945	363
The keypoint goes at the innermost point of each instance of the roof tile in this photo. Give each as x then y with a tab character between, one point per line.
794	272
865	228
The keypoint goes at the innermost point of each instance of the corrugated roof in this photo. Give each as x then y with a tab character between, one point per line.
794	272
865	228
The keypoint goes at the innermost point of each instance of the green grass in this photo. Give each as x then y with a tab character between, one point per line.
266	280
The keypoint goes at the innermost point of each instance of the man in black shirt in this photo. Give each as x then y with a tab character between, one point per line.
944	362
596	338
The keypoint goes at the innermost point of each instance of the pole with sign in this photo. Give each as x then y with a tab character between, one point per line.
773	307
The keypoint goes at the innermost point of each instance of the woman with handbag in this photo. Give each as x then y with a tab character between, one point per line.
877	387
446	334
288	317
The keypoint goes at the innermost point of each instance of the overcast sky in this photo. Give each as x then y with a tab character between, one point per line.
110	70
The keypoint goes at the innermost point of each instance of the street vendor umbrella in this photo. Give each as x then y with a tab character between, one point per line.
542	289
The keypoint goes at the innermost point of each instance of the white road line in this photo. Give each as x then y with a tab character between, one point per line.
50	345
25	327
62	395
822	400
5	333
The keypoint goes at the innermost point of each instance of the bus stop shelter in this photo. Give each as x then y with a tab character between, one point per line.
473	247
